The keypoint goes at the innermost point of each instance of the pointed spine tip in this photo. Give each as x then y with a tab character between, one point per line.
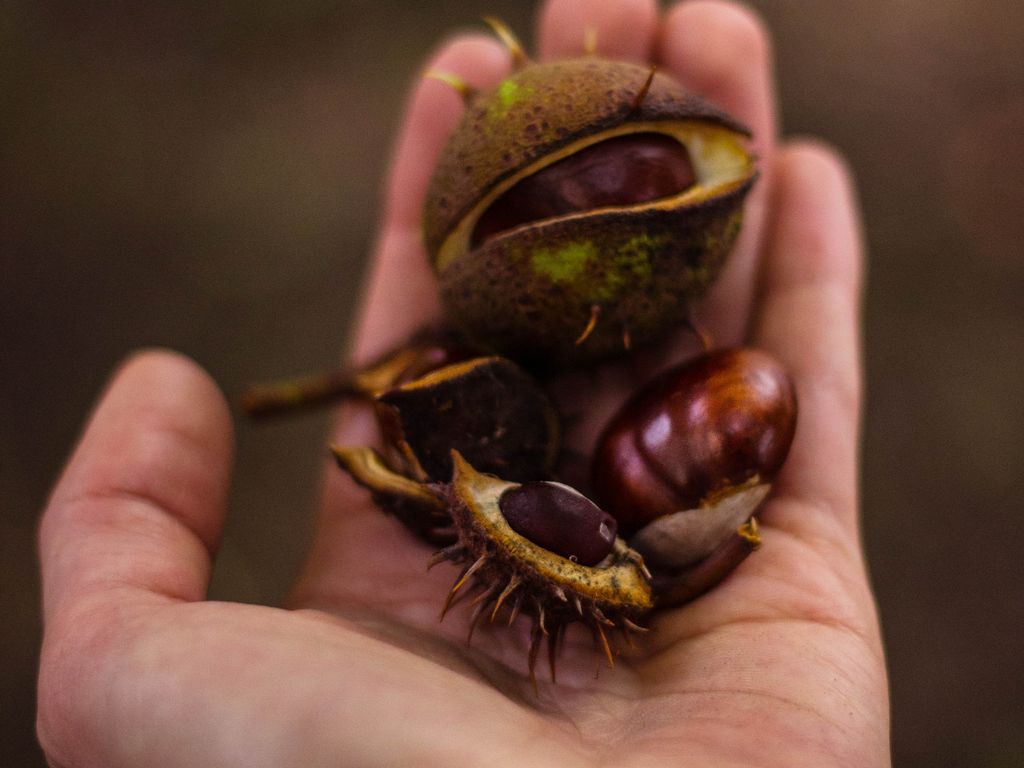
481	607
750	531
509	589
515	609
531	657
466	574
605	646
590	41
644	89
554	643
469	573
541	619
452	553
509	40
595	313
634	627
456	83
703	337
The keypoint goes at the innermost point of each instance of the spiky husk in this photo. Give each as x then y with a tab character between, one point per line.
528	292
418	506
506	575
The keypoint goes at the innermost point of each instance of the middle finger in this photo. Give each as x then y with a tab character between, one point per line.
618	29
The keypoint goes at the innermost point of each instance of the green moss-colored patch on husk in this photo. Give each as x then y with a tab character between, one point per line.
529	291
564	264
643	275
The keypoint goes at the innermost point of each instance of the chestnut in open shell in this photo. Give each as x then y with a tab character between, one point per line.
487	408
561	520
506	567
582	190
577	210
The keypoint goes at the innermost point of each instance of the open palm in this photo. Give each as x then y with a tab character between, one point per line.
780	665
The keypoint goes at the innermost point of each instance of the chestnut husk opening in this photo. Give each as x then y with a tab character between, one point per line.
620	171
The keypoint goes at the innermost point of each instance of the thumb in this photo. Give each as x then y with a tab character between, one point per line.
141	501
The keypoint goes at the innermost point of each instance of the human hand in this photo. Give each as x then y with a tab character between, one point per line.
779	665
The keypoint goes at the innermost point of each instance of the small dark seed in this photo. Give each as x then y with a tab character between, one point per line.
561	520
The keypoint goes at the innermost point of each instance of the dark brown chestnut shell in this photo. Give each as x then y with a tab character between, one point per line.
487	408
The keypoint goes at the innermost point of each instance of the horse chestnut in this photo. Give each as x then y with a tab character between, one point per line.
487	408
578	208
560	519
695	434
580	184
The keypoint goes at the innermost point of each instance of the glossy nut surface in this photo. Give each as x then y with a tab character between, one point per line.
620	171
696	430
561	520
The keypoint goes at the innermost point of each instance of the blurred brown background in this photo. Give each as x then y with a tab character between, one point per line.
206	176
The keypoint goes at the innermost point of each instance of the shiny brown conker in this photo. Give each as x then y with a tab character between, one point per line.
560	519
621	171
697	430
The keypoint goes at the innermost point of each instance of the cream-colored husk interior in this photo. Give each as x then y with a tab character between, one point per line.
720	163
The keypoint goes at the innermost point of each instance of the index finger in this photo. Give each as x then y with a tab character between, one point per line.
141	502
400	294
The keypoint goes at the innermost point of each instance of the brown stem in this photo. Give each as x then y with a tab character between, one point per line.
695	328
428	350
261	400
684	586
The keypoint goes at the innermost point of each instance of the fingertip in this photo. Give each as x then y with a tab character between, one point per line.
817	210
729	31
164	364
160	435
808	161
722	51
479	59
622	29
166	384
434	110
814	151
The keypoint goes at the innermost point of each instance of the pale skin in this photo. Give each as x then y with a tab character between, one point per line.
782	664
